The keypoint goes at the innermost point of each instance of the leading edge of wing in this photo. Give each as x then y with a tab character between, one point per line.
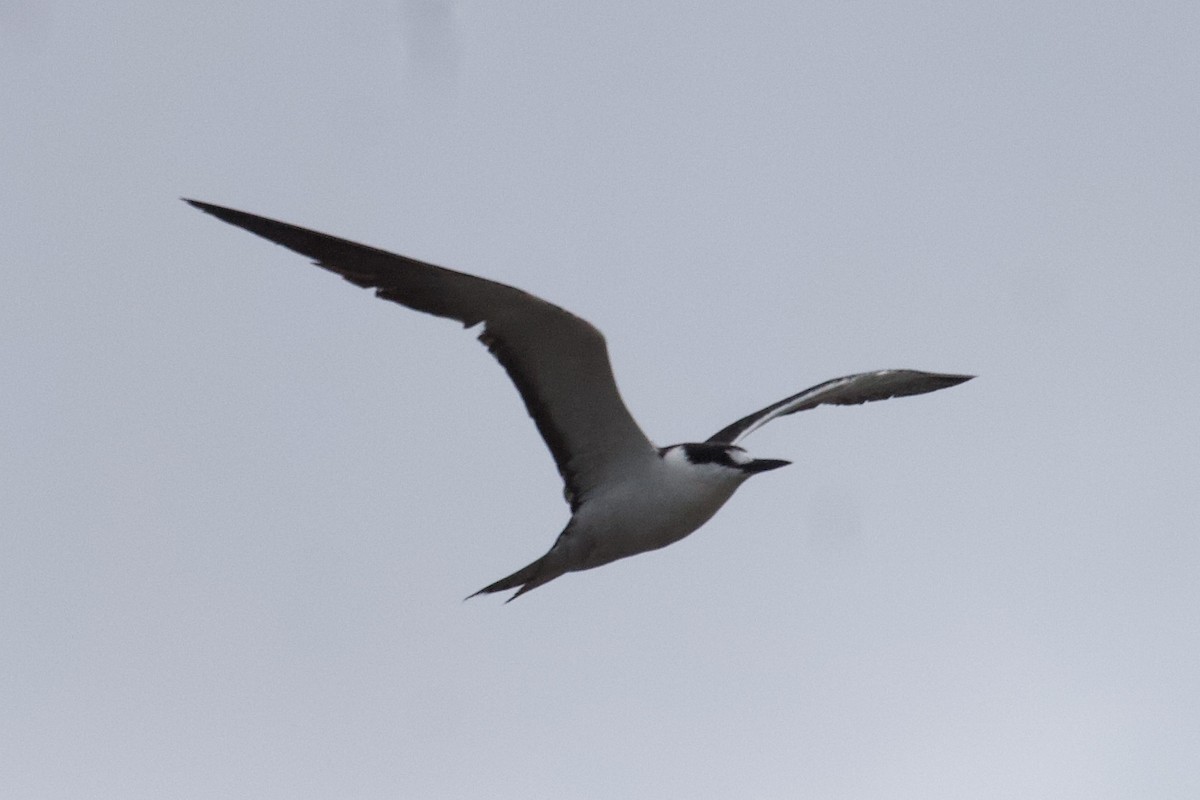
558	361
426	287
863	387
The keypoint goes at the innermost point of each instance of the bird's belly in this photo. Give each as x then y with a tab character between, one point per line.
632	525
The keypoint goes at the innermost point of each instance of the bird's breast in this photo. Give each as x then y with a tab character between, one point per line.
662	507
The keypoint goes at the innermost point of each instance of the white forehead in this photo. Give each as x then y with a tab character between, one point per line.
675	453
739	456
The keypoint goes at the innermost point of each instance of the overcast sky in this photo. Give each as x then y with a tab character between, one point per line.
241	500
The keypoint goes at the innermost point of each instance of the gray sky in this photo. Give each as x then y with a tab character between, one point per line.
241	501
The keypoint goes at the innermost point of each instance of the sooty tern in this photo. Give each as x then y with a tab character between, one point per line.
626	495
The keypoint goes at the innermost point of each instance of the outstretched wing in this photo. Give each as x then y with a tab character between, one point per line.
848	391
558	361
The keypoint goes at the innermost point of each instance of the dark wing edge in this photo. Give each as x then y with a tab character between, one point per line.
851	390
365	266
520	331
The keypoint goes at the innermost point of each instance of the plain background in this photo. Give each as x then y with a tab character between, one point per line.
240	500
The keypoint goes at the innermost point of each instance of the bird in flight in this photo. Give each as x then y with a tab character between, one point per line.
627	496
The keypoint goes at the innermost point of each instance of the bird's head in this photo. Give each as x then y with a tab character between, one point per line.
720	460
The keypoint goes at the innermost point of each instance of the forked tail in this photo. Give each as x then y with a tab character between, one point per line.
528	577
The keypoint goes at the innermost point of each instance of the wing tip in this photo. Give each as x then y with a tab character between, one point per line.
920	382
949	380
220	212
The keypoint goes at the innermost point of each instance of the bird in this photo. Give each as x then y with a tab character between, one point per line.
626	495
